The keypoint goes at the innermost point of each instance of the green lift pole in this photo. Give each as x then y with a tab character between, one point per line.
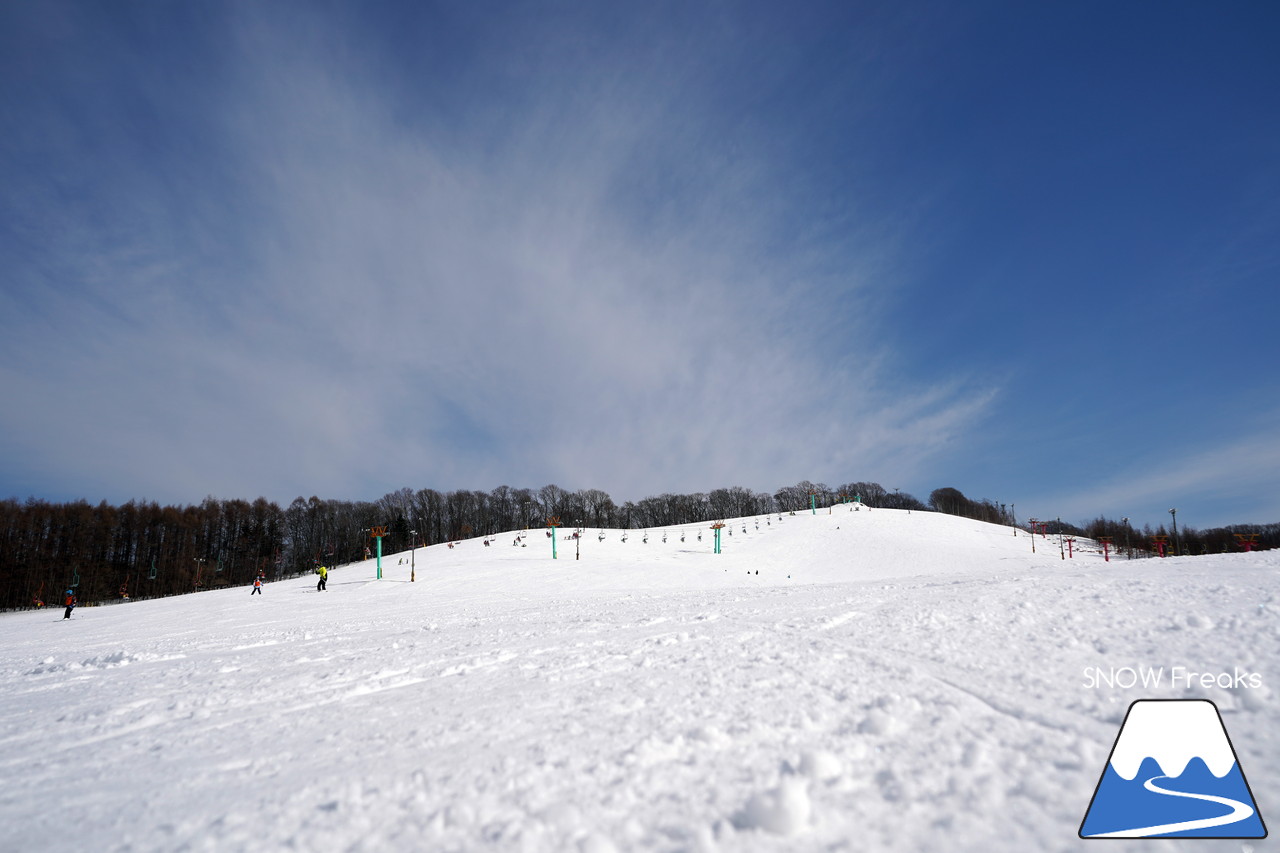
553	523
377	533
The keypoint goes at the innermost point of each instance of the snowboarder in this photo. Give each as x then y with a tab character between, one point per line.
257	586
71	603
324	577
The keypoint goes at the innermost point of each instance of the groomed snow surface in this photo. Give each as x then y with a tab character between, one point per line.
887	681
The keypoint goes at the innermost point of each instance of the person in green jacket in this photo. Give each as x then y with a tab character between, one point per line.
324	576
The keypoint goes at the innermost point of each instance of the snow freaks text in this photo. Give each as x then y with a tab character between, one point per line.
1124	677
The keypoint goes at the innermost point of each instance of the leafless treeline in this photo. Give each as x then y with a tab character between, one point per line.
139	549
145	550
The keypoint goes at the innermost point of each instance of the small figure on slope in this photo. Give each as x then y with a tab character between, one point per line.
70	602
257	585
324	578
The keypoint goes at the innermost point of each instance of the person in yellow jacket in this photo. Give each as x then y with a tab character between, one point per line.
324	577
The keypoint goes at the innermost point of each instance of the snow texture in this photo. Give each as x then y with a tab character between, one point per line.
851	680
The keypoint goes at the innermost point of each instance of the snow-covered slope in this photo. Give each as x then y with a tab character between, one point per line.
887	681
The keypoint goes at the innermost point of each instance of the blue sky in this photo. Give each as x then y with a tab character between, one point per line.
1027	250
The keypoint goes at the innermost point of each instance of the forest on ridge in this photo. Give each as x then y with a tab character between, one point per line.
144	550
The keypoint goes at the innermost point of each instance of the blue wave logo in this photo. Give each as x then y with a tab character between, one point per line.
1173	773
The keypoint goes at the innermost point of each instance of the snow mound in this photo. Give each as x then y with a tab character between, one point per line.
821	766
783	810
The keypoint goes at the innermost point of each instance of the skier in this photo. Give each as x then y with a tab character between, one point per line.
324	577
71	603
257	585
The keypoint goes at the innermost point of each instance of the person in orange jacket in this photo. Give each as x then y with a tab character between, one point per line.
71	603
257	585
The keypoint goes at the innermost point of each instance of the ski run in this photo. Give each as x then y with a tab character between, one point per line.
850	680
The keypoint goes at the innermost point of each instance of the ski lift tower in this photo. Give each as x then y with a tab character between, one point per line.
1246	541
553	522
377	533
717	527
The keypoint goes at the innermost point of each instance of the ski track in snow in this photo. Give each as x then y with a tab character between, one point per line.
917	683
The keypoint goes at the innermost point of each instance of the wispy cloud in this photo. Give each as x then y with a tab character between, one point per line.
1207	485
593	288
